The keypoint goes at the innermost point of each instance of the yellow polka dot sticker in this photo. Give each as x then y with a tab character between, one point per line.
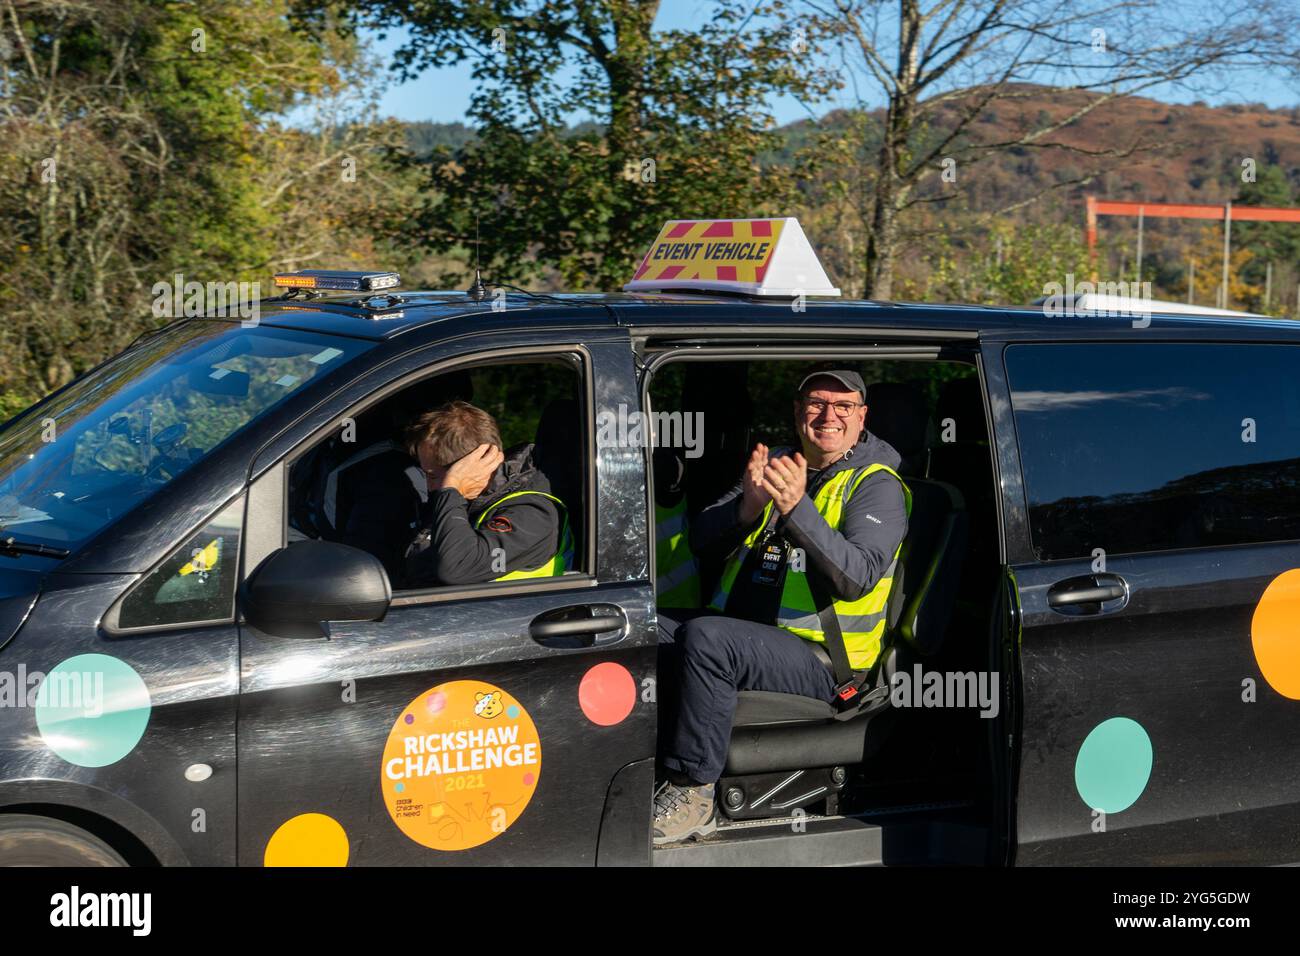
461	764
1275	634
309	839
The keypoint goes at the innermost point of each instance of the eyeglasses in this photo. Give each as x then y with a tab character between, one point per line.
842	409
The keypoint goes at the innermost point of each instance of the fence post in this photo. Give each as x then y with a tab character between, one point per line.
1227	245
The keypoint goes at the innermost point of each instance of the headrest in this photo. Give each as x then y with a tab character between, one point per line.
558	451
669	467
897	412
425	396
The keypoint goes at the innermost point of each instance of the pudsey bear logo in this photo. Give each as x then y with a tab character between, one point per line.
488	706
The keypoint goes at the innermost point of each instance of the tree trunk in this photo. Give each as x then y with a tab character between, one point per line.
892	175
879	281
626	72
890	193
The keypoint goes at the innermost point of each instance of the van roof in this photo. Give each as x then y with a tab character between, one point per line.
458	312
1109	302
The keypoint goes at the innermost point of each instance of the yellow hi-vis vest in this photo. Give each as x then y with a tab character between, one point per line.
862	622
677	576
559	562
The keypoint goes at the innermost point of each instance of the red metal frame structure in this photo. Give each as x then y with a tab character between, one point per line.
1224	212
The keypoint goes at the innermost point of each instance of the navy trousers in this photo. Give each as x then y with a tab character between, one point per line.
705	661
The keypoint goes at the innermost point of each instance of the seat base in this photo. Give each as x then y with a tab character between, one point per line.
773	733
767	795
765	708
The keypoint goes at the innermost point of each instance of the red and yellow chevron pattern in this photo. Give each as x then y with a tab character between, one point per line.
714	250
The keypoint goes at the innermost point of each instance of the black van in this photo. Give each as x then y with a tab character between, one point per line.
1103	557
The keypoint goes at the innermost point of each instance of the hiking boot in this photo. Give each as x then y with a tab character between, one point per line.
683	812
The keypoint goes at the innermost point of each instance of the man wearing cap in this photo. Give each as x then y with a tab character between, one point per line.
805	531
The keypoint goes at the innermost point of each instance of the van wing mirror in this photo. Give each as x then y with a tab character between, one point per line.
311	582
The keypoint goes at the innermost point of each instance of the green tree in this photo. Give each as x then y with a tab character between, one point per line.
148	138
1012	264
1268	242
950	73
681	122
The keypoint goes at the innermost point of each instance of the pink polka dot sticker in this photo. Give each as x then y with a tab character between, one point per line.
607	694
436	702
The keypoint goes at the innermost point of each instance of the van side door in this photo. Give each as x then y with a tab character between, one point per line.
473	725
1152	516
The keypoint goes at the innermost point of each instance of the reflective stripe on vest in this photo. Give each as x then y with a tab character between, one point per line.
559	562
677	576
862	622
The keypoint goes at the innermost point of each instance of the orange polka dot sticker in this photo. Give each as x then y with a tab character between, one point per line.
461	764
309	839
1275	634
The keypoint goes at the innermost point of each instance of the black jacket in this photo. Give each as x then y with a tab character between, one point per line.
523	533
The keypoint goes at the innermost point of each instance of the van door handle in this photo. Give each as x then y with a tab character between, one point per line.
577	626
1095	589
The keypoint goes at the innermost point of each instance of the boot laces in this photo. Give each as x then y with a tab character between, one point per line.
668	799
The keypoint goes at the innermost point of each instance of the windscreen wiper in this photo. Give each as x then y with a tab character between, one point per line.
12	545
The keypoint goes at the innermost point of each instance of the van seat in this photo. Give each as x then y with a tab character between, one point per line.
897	413
775	732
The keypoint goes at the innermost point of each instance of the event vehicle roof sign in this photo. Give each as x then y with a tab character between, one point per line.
751	256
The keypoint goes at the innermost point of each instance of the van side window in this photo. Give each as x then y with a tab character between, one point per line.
195	584
1157	446
362	487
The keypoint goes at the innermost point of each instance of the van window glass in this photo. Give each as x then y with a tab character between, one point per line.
361	486
1152	446
196	583
77	461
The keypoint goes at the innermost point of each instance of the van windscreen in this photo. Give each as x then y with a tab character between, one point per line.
74	463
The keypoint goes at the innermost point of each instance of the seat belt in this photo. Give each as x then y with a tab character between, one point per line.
849	699
831	628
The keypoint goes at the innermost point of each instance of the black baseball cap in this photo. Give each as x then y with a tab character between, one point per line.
850	380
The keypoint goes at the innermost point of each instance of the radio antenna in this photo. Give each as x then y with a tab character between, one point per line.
478	290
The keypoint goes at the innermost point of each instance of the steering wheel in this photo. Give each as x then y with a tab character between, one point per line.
168	463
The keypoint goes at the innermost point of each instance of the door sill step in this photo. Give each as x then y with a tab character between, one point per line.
820	841
910	840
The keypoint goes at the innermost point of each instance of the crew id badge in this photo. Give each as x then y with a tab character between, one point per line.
773	552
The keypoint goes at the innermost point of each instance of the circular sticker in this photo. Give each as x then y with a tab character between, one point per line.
461	763
1275	634
1113	765
309	839
92	709
607	694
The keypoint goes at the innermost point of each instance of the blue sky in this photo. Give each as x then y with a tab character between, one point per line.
443	95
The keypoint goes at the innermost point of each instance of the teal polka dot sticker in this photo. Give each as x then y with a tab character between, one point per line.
92	709
1114	765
